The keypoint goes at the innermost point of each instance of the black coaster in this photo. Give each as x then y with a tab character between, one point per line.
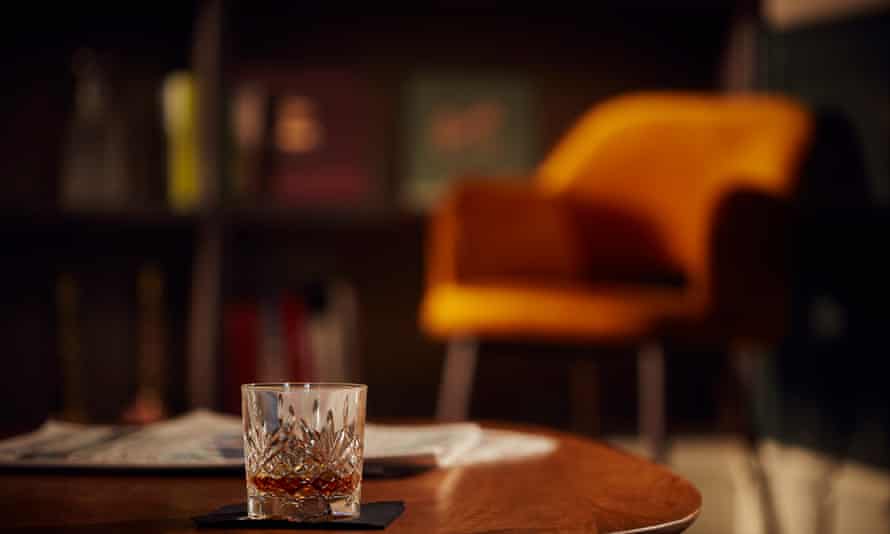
374	516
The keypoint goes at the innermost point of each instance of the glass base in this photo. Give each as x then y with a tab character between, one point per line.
303	510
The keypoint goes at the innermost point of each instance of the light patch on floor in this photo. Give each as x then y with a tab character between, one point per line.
717	466
724	471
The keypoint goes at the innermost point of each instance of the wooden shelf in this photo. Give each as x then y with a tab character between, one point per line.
26	220
236	217
278	216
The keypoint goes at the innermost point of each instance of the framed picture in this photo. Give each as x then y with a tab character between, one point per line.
454	125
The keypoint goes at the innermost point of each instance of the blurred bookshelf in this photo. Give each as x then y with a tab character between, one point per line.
237	230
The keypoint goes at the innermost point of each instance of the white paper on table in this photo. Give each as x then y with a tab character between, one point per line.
207	440
196	440
435	445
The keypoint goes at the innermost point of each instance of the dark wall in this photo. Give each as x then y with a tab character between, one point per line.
825	389
840	67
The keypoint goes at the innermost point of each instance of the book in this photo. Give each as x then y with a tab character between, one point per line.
73	396
94	169
245	134
295	344
304	138
458	125
241	333
106	332
148	404
184	188
331	328
267	339
143	134
271	365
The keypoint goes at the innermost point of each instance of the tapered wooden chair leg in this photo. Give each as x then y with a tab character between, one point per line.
456	387
651	394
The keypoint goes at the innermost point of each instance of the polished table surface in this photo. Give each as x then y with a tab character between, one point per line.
583	486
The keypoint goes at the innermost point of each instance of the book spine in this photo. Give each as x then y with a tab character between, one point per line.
271	366
331	329
107	310
296	350
148	406
247	119
73	401
318	343
241	346
345	308
179	101
94	173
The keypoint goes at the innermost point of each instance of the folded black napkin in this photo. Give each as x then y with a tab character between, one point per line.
374	516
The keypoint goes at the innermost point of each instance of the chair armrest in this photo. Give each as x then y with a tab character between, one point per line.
750	261
488	231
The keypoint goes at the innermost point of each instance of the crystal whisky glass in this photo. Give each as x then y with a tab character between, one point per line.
303	445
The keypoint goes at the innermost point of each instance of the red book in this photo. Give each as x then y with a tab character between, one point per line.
296	348
241	331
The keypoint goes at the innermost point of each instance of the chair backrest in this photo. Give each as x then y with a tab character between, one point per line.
668	159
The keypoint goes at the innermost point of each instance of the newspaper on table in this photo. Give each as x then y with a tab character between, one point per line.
196	440
207	440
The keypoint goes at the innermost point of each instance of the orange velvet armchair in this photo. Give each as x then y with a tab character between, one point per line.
615	238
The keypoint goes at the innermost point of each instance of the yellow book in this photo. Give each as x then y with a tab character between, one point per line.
184	190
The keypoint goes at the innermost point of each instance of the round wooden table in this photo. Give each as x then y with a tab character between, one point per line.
583	486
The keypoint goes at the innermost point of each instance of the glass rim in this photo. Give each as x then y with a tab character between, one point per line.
294	387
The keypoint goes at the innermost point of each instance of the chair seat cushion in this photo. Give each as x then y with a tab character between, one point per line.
614	312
